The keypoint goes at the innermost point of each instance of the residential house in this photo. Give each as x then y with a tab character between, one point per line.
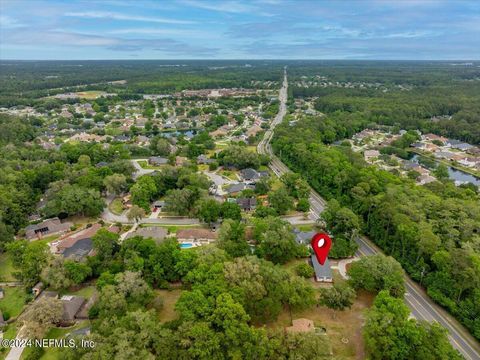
77	245
156	233
199	235
323	273
254	130
37	289
433	137
418	145
220	132
101	164
247	204
252	175
180	160
469	161
303	237
462	146
203	159
46	227
121	138
158	205
71	306
444	155
425	179
84	137
142	140
66	114
157	160
237	188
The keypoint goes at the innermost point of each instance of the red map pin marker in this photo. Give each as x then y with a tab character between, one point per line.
321	244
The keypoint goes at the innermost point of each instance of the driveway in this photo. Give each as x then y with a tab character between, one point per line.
219	181
139	171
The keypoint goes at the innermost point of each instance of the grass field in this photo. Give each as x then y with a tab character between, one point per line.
172	228
55	353
48	239
90	95
9	332
86	292
232	175
6	268
116	206
305	227
145	165
170	298
13	301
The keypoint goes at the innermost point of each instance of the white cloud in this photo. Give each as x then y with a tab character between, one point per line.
227	6
119	16
8	22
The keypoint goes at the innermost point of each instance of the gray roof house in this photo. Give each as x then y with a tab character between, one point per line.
203	159
157	160
323	273
249	174
71	306
157	233
247	204
79	249
47	227
236	188
303	237
159	204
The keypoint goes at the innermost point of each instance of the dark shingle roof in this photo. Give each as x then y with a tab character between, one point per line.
80	249
321	271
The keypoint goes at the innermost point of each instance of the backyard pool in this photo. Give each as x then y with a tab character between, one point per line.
186	245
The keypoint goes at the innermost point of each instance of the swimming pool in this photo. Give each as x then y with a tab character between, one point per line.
186	245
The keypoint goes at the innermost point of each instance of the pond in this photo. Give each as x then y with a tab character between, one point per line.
456	175
187	133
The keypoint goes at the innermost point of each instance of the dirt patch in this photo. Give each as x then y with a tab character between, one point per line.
344	328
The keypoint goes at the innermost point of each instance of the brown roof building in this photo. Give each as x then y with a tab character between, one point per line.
196	235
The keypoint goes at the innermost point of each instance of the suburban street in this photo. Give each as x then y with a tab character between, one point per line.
421	306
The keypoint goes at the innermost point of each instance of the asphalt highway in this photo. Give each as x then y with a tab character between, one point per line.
421	306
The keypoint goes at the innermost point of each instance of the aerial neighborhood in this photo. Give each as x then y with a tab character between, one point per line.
164	210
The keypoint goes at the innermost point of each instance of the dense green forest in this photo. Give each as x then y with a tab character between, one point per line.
432	230
428	89
24	82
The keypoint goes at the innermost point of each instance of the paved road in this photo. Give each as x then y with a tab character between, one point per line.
418	301
139	170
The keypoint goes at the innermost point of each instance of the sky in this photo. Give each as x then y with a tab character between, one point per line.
256	29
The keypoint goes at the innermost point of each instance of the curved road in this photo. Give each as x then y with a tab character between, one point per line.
421	306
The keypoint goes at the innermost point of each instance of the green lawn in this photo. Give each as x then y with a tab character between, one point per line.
13	301
116	206
170	298
90	94
56	333
6	268
9	332
86	292
228	174
305	227
172	228
48	239
144	164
